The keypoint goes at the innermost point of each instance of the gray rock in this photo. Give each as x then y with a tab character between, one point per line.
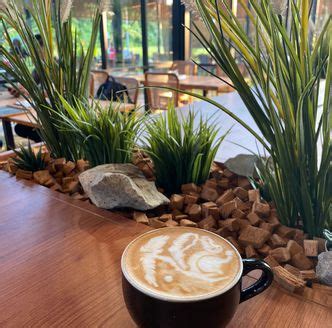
324	268
120	185
243	164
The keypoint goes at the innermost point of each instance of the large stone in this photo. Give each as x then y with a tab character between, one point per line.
243	164
120	185
324	268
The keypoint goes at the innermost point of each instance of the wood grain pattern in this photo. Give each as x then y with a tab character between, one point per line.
60	267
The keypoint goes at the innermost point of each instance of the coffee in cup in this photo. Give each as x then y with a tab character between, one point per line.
185	277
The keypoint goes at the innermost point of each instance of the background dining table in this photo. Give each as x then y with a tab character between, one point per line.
195	82
60	267
26	115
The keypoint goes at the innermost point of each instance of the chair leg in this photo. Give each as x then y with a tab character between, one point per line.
8	132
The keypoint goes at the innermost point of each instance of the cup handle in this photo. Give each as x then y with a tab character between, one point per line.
262	283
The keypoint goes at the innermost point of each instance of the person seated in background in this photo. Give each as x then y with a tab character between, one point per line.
24	131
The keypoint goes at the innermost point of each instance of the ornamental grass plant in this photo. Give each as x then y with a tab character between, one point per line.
106	135
29	160
285	60
57	58
180	151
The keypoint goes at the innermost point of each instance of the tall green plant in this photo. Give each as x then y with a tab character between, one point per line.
59	61
106	135
285	66
181	153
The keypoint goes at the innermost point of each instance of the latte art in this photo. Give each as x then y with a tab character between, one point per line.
181	262
204	265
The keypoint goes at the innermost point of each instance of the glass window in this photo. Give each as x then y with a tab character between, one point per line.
159	27
124	34
82	14
198	52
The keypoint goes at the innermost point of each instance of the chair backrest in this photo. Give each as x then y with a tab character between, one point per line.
98	77
184	67
221	73
160	98
131	85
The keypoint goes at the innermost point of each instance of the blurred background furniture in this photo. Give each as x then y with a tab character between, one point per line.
241	67
19	116
161	98
25	116
98	77
132	87
184	67
193	82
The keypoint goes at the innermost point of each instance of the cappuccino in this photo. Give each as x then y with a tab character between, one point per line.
181	264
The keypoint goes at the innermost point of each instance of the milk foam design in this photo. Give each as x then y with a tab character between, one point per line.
204	265
152	250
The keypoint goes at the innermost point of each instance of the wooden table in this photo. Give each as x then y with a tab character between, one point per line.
60	267
23	118
26	118
197	82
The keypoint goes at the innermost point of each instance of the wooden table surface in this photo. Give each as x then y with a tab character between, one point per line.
60	267
24	118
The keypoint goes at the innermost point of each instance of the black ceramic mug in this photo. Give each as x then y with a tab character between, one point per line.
148	310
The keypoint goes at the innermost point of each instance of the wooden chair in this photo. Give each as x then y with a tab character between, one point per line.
184	67
241	66
221	73
132	86
160	98
98	77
